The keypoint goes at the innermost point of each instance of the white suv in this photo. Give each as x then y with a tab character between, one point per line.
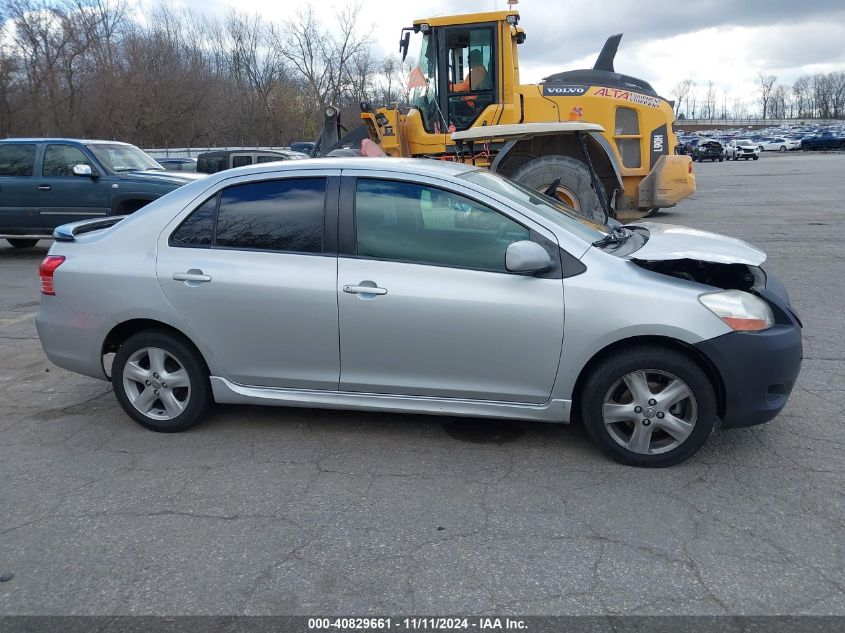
742	148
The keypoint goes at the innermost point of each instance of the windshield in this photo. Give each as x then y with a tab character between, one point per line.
744	141
423	79
549	208
119	158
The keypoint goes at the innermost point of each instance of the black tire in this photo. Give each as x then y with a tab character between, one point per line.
21	243
653	213
613	368
200	391
574	175
755	158
782	148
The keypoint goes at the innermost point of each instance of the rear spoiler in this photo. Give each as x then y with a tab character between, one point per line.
68	232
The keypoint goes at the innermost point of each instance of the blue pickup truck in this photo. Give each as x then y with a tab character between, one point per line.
47	182
825	140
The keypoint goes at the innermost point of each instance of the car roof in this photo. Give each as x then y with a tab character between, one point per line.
60	139
416	166
228	152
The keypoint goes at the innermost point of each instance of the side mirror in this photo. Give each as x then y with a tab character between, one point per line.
83	170
404	40
527	257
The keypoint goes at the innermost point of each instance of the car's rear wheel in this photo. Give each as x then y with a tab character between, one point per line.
648	406
21	243
161	382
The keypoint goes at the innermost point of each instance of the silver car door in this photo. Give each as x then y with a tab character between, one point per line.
426	306
261	293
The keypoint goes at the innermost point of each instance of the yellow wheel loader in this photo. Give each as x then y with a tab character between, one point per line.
598	140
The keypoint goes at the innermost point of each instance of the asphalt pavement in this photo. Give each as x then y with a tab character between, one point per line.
294	511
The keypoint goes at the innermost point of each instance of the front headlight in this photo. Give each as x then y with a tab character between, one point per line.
741	311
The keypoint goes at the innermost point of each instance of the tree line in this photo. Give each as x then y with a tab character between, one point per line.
90	69
818	96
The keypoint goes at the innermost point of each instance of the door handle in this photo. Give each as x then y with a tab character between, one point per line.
192	275
365	290
44	187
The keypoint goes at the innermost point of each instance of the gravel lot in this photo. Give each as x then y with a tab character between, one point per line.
293	511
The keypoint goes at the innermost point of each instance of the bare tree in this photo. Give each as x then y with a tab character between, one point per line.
710	101
681	93
324	58
765	87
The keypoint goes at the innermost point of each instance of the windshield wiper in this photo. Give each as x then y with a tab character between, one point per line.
617	235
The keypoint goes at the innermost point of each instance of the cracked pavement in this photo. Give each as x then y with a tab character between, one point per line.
297	511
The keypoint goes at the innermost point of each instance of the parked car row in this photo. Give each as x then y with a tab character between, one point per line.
714	150
781	139
216	160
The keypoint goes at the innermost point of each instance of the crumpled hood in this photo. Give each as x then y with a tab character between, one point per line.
164	177
671	241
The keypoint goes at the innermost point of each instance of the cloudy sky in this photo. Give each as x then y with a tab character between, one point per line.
665	41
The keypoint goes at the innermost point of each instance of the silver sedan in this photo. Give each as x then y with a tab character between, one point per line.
419	286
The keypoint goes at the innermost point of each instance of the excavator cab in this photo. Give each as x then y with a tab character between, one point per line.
458	66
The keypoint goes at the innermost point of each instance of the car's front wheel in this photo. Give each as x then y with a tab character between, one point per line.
161	382
648	406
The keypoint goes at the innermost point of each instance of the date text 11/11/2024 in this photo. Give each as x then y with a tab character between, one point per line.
416	624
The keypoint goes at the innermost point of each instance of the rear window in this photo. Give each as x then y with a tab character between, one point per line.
198	228
275	215
17	160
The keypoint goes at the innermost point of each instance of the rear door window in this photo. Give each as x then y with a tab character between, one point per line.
273	215
241	161
197	230
17	159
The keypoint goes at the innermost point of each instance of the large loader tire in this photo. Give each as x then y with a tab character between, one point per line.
575	188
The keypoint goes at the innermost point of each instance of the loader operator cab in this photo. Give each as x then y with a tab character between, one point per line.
457	64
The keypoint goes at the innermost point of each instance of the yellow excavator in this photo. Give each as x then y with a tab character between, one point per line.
598	140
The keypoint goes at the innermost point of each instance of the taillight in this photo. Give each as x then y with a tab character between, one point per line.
690	167
46	270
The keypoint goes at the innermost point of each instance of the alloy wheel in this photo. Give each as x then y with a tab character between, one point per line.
156	383
649	411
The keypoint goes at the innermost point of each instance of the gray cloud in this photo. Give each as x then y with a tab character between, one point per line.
572	32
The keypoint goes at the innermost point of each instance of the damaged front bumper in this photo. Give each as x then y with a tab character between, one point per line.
758	369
